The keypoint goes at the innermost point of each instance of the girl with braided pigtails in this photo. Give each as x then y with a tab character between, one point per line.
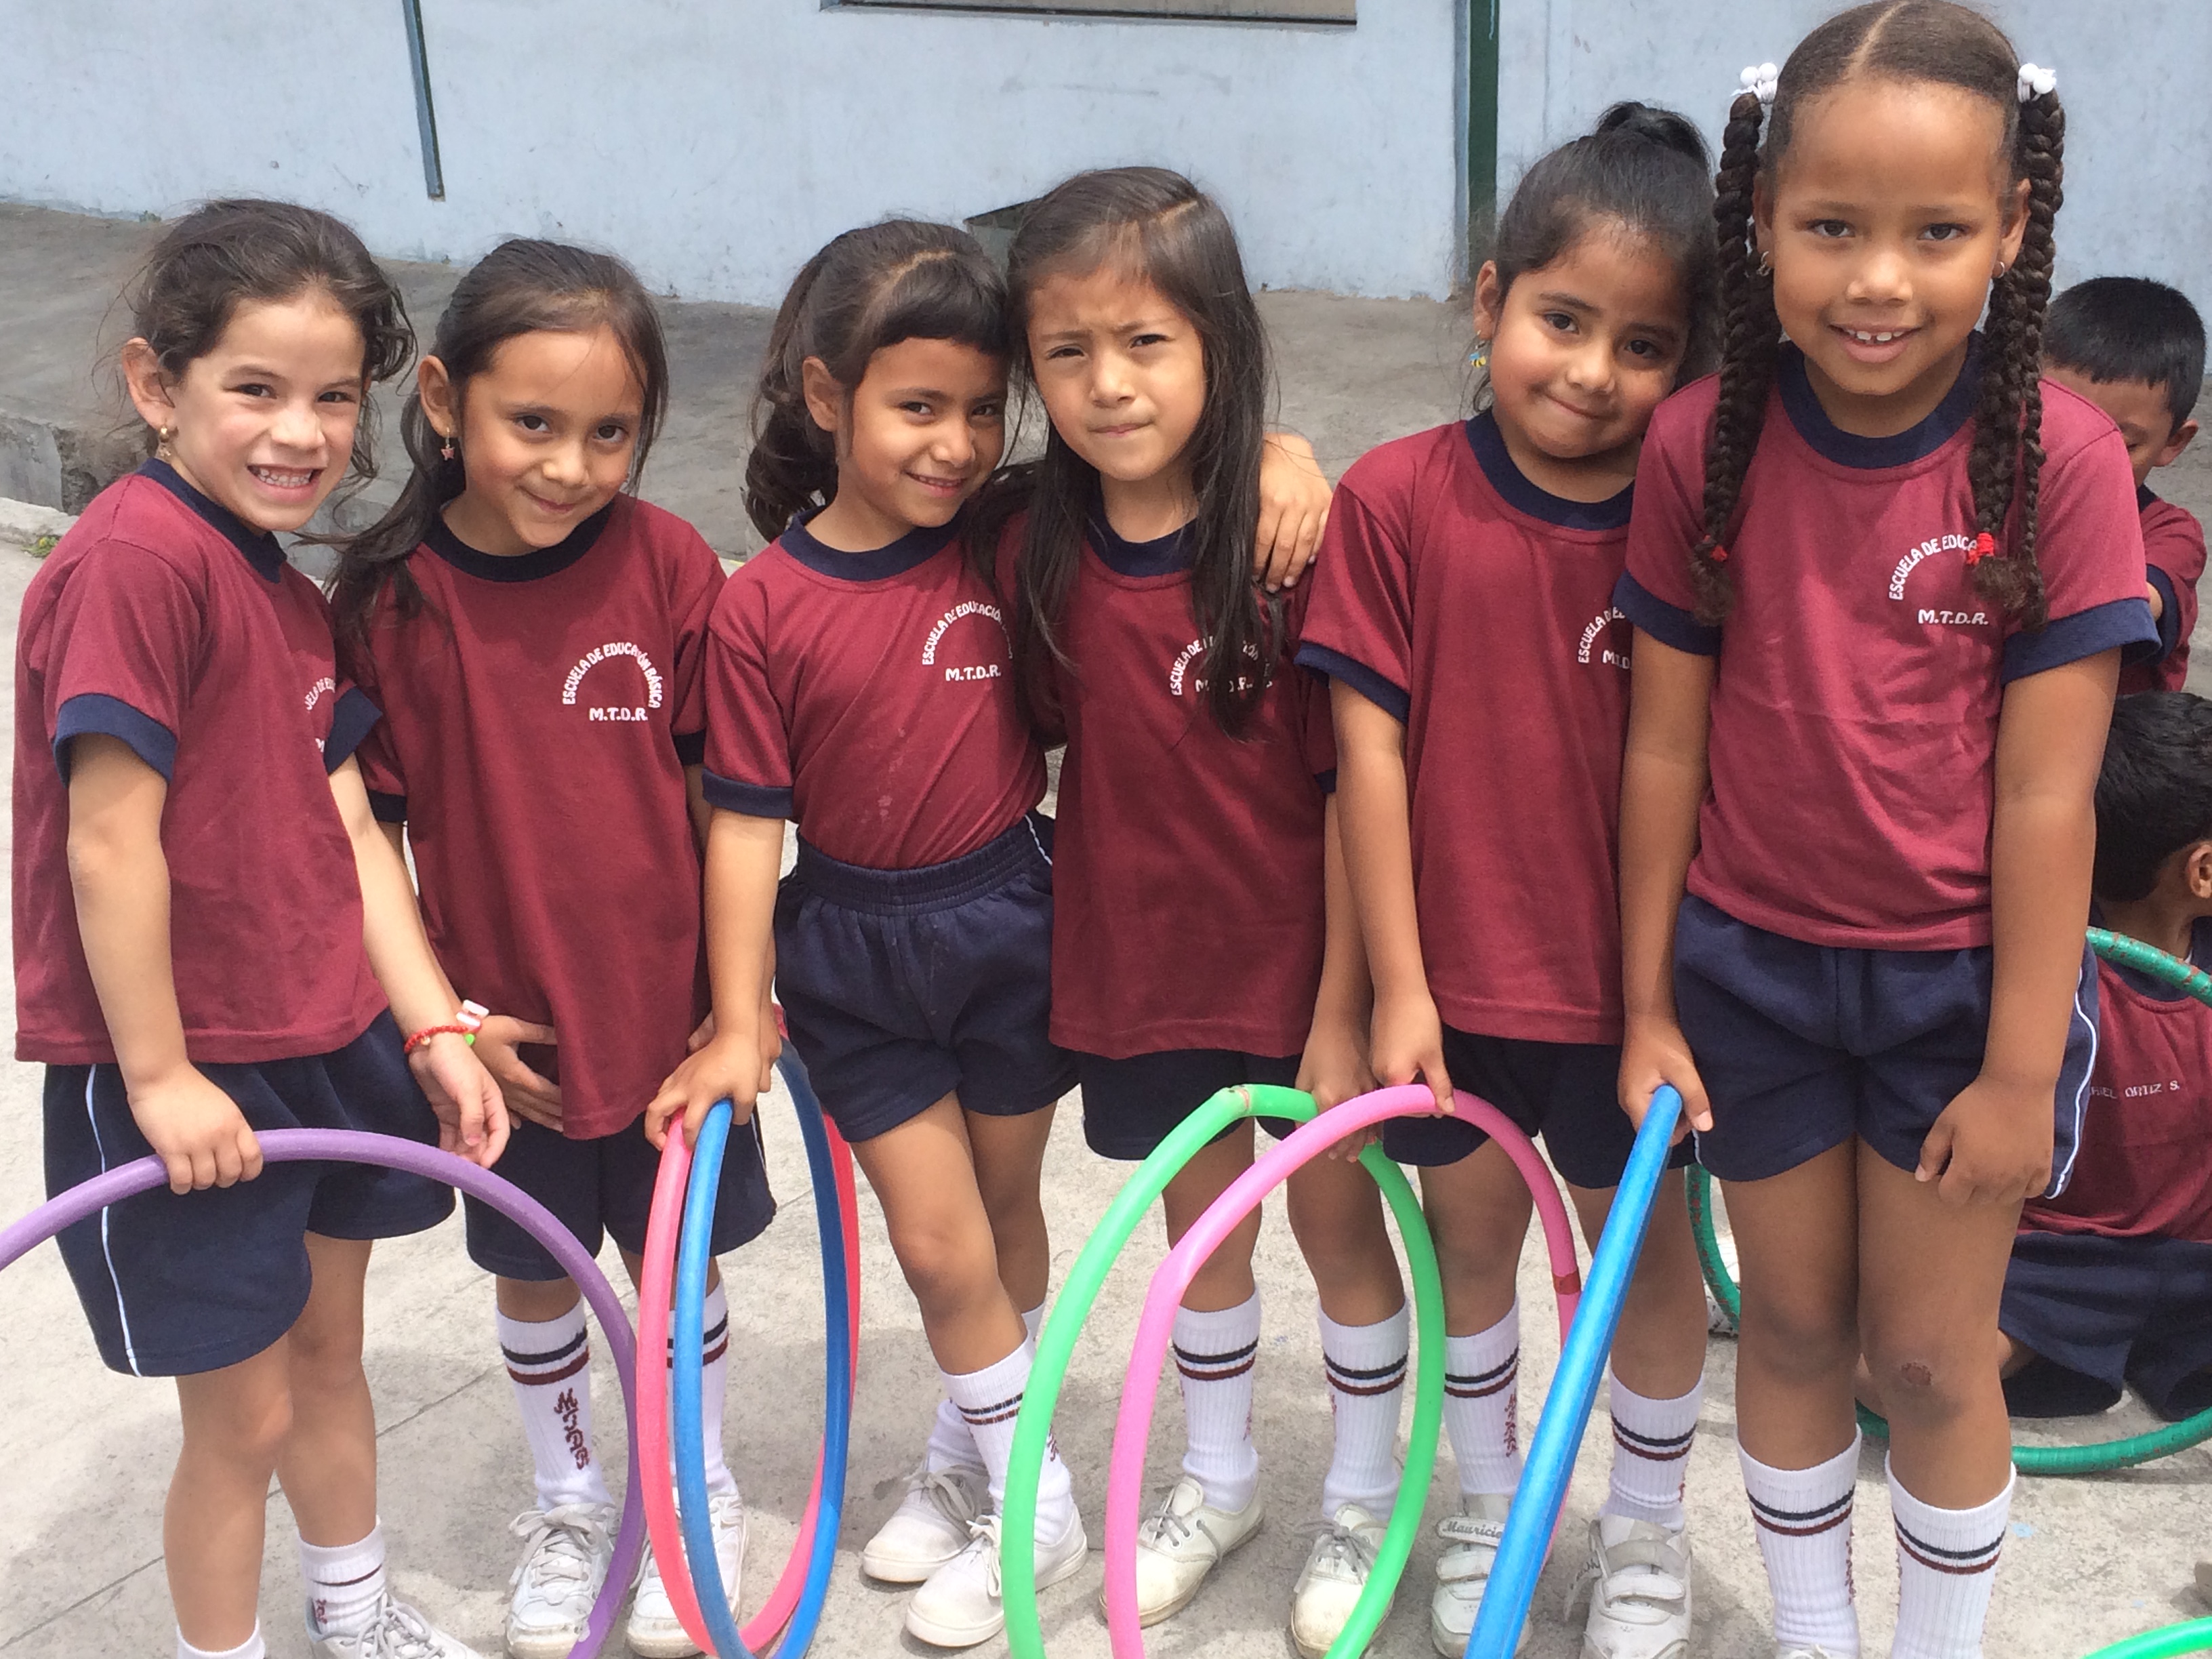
1882	580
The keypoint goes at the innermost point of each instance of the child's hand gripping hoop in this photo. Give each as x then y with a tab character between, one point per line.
2099	1457
390	1152
1543	1490
1125	1486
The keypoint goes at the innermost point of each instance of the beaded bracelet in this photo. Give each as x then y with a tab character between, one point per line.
423	1037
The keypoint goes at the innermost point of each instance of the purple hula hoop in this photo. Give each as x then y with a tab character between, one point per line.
410	1157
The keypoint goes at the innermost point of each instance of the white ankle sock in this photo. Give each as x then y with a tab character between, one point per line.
1213	1355
1482	1398
549	1363
1803	1520
951	1445
1946	1565
1366	1370
990	1402
1652	1441
344	1584
251	1648
713	1389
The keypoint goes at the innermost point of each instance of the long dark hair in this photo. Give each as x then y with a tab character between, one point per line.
1160	227
867	290
1643	170
1946	45
521	287
225	254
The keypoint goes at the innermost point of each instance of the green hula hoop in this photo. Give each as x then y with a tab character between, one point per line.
2101	1456
2195	1636
1072	1308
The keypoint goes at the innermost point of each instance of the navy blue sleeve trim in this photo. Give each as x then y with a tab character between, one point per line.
111	717
754	800
2123	622
1670	624
691	748
1392	699
1326	780
387	809
2169	614
350	723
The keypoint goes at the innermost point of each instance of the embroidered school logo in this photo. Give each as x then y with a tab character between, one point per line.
1180	674
315	694
611	652
960	612
1601	642
1954	615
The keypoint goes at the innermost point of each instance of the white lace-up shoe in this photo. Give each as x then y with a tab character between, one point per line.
1180	1543
398	1631
959	1605
1802	1653
1470	1536
565	1554
1638	1581
654	1631
929	1527
1329	1585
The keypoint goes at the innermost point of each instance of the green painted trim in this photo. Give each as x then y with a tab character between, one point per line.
1481	131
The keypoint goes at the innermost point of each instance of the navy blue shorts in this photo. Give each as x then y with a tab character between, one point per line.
1803	1045
174	1285
1130	1106
901	986
1567	1093
2100	1312
605	1186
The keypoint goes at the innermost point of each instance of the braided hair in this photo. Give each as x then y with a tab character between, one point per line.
1925	40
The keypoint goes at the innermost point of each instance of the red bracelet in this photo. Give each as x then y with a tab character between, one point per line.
423	1037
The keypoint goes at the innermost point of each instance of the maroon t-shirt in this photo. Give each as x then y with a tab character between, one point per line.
1477	608
1188	896
162	621
538	716
2173	554
1854	730
866	696
2139	1170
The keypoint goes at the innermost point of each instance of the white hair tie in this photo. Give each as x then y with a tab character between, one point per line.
2035	81
1762	79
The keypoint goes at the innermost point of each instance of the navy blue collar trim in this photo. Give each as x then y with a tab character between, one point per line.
916	548
1523	494
1163	556
1899	449
260	547
2144	498
523	567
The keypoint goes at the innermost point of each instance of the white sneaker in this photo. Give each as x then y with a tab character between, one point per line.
654	1631
1180	1543
398	1631
959	1605
1638	1580
565	1556
1329	1585
1471	1535
929	1527
1802	1653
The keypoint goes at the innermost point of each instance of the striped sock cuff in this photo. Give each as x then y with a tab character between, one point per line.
1216	1367
712	1343
982	1417
1964	1563
1480	1385
556	1365
1380	1380
1655	1447
1803	1523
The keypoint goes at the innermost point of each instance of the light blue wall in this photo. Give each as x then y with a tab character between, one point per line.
2136	79
717	142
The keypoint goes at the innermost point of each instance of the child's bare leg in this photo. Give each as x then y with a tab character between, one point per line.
1478	1211
236	1422
1660	1348
1009	1154
1226	1279
328	1463
1336	1216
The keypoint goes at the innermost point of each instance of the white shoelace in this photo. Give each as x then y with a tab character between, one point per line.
983	1534
1166	1529
954	1498
1343	1553
400	1632
560	1546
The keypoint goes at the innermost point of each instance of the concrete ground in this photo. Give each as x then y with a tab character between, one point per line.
87	1453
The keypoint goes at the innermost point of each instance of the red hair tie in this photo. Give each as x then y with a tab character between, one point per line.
1984	547
1720	554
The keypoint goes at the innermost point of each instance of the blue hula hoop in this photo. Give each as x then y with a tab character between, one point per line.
1558	1436
687	1428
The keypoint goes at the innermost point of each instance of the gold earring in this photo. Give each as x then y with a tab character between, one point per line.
1765	262
162	436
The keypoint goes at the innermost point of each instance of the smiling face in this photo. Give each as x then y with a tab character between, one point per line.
546	432
916	438
1123	373
263	424
1886	222
1582	350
